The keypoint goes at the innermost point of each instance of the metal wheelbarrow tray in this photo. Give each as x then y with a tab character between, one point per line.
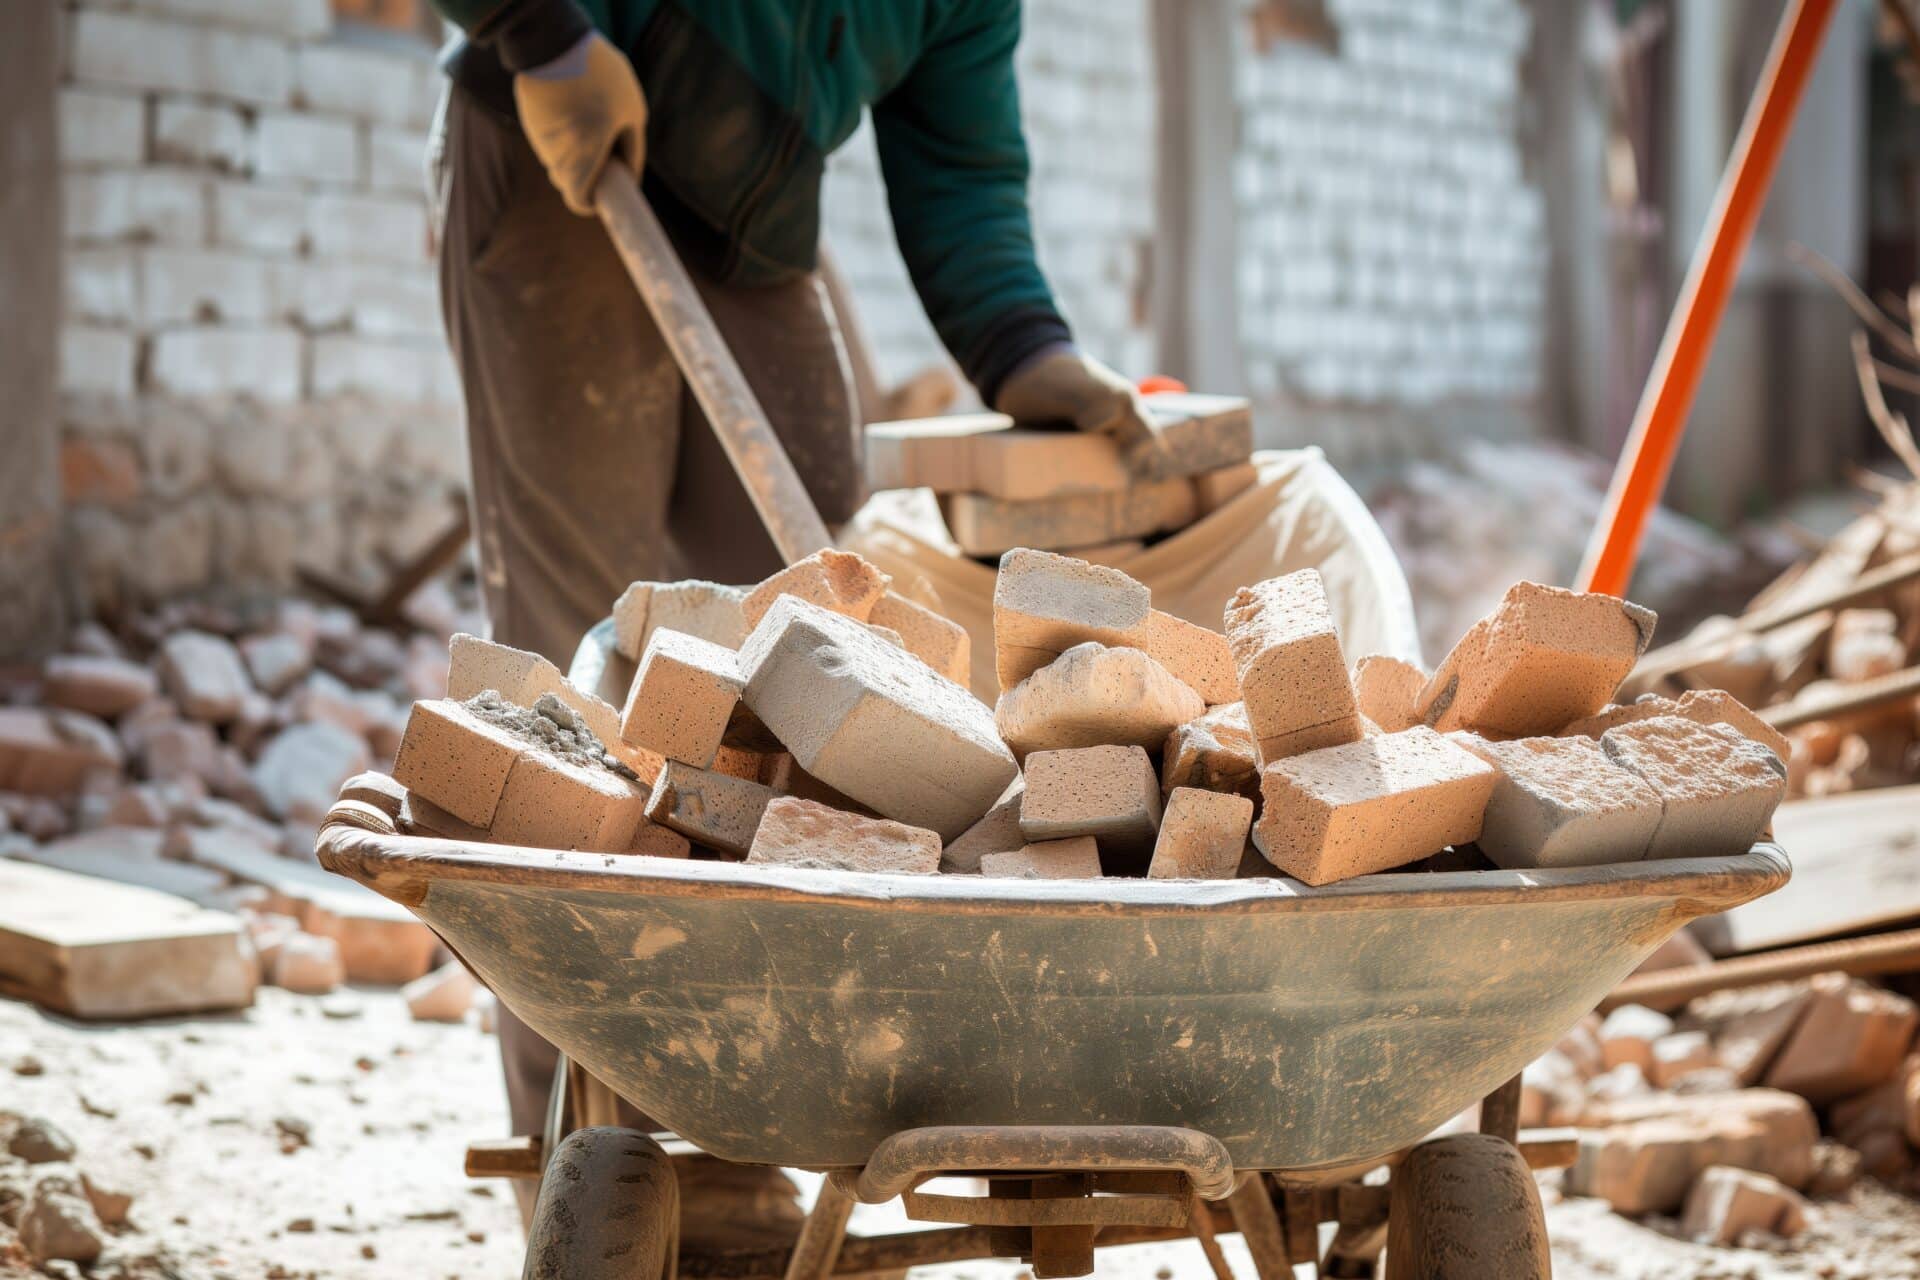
801	1018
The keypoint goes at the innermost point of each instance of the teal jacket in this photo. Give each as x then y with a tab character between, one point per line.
746	98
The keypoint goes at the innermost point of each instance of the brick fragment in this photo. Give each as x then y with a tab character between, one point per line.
1702	706
1629	1033
276	660
1214	751
99	686
838	581
705	609
1386	690
205	675
1865	643
1075	858
307	964
1370	805
1561	802
1726	1203
1113	554
1851	1036
475	665
1748	1025
1108	792
1293	677
985	526
444	995
998	831
1678	1055
1202	834
1090	695
872	721
1651	1150
683	696
1717	788
714	809
45	753
455	760
928	635
801	833
1552	1091
1198	656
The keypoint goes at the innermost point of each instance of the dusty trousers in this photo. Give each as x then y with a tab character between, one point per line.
592	466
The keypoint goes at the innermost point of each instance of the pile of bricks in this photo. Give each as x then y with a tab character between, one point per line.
818	720
1002	486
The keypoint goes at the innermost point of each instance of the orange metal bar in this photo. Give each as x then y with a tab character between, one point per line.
1662	415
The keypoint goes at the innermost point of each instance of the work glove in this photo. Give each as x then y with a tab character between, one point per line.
1063	385
580	109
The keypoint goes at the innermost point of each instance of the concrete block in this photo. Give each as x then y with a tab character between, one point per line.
265	363
984	526
102	284
1561	802
361	83
96	361
305	148
704	609
158	206
872	721
802	833
299	19
684	693
927	634
1108	792
1090	695
396	159
367	228
1542	659
838	581
139	52
202	286
1370	805
717	810
1650	1152
263	219
1202	834
404	372
998	831
1386	690
1214	751
1076	858
1293	677
1725	1203
101	127
1717	789
186	131
1702	706
204	674
1850	1037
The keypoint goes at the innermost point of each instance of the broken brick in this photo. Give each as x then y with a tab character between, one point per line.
800	833
1702	706
695	608
100	686
998	831
444	995
475	665
1293	678
714	809
456	760
44	753
1678	1055
1075	858
1561	802
1214	751
840	582
935	639
683	696
1726	1203
1717	788
1850	1037
656	841
1646	1158
1109	792
204	674
308	965
1091	695
1202	834
1748	1025
1386	690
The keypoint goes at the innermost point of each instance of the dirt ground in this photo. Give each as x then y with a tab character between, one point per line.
322	1137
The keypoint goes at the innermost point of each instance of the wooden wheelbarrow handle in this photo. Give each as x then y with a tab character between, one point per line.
709	367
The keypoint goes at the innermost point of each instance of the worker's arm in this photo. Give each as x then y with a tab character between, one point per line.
955	163
579	100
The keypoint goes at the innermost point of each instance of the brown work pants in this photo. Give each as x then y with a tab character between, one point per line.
592	465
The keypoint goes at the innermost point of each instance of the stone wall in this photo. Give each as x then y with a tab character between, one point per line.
252	366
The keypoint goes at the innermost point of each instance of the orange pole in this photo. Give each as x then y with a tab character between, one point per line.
1662	414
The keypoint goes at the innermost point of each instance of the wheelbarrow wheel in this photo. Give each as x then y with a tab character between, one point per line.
1466	1206
609	1209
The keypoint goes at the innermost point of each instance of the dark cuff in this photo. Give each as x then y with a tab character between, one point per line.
531	33
1006	346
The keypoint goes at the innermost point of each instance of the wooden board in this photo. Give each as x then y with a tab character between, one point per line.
1856	864
95	949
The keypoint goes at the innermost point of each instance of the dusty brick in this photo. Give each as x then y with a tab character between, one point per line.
550	803
837	581
1214	751
1702	706
1717	788
1293	677
715	809
456	760
656	841
1109	792
1542	659
1652	1149
1560	802
475	665
985	526
1850	1037
1678	1055
1386	689
1198	657
683	696
99	686
275	660
1749	1024
1076	858
936	640
1369	805
1629	1033
704	609
1725	1203
996	832
204	674
1215	489
872	721
444	995
307	964
1202	834
801	833
1090	695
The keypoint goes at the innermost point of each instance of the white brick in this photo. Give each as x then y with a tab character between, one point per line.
201	286
377	302
164	205
301	19
367	84
139	52
190	132
97	361
396	159
306	148
368	228
268	219
407	372
100	284
98	128
265	363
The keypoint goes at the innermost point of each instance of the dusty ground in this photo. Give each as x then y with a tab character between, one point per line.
323	1137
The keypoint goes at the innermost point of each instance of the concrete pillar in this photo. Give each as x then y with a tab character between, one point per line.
31	616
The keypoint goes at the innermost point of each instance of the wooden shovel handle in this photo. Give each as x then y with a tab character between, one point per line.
709	367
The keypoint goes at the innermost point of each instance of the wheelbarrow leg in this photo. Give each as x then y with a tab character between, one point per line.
818	1247
1062	1251
1500	1112
1258	1223
1200	1221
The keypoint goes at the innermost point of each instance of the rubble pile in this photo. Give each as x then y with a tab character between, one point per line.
53	1214
815	721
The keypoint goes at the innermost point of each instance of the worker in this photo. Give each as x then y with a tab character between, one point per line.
591	464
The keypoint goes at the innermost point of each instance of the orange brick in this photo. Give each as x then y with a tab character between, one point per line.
550	803
1215	489
985	526
936	640
1108	792
1293	677
1851	1036
455	760
1717	788
1202	834
684	694
656	841
838	581
1370	805
1076	858
475	665
717	810
997	832
1652	1149
695	608
1215	752
1386	690
1091	695
800	833
1726	1203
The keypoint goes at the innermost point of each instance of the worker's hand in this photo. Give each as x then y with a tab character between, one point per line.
1065	386
578	110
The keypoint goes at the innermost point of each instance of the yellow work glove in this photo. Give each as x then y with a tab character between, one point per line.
1066	386
578	110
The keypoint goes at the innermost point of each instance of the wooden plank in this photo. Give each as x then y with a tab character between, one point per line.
95	949
1856	864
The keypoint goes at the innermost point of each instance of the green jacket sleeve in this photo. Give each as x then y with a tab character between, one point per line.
525	33
955	164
